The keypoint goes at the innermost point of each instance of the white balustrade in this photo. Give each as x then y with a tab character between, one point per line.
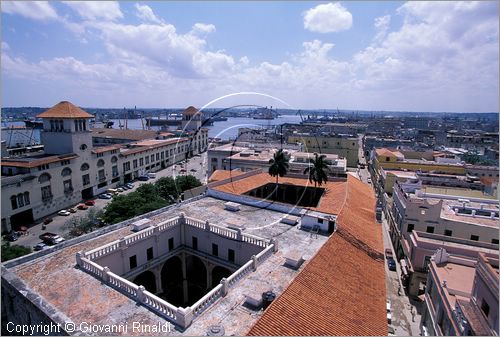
156	303
240	273
265	254
207	300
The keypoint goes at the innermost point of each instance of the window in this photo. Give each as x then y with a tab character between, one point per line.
141	161
230	255
100	163
194	243
320	221
410	227
135	163
494	241
68	187
430	229
215	249
84	167
170	244
447	232
99	155
387	159
422	211
66	172
46	193
149	253
13	202
474	238
20	200
133	261
26	198
44	178
86	179
83	147
485	308
114	171
126	166
114	159
101	175
65	162
427	262
157	156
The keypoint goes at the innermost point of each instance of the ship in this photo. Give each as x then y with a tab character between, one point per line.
264	113
33	124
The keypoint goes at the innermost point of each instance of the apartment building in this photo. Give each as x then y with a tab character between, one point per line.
461	297
345	146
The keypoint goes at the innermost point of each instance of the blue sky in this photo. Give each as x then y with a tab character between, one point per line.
418	56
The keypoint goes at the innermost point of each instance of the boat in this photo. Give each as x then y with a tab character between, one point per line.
33	124
264	113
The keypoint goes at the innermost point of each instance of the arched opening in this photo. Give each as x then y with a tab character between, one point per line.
218	273
66	172
147	279
171	281
196	274
100	163
84	167
44	177
114	159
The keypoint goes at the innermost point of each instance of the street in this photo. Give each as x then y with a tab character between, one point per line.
196	166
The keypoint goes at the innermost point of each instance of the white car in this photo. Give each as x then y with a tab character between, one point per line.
64	212
389	313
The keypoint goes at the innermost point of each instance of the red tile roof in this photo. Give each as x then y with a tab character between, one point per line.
331	202
63	110
190	111
341	291
34	162
219	175
102	149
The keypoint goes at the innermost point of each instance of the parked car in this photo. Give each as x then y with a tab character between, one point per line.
46	221
12	236
143	178
124	187
105	196
389	312
51	238
63	212
71	210
130	185
83	207
369	180
388	253
392	264
40	246
119	190
90	202
152	175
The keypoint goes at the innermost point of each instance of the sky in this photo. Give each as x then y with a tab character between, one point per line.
390	55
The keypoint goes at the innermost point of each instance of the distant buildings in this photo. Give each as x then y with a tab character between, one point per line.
72	166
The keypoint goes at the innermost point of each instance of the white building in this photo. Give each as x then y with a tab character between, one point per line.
72	169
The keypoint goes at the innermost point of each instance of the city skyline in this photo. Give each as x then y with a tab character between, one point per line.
417	56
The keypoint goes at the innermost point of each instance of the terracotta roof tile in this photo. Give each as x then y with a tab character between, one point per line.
331	202
34	162
190	111
219	175
341	291
63	110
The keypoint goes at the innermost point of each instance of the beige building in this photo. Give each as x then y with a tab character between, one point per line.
344	146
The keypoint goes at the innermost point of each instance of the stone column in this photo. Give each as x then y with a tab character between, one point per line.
185	294
79	261
159	286
209	268
254	262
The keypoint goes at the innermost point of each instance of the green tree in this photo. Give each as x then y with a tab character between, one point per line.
188	182
278	167
317	171
10	252
167	188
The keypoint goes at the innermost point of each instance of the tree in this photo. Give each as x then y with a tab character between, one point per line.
167	188
188	182
278	167
10	252
317	170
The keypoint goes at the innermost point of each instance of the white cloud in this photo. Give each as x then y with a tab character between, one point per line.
327	18
145	13
203	28
5	46
36	10
95	10
382	26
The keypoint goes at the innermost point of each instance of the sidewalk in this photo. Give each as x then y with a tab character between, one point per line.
401	304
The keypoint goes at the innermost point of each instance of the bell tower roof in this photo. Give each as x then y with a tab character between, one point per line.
65	110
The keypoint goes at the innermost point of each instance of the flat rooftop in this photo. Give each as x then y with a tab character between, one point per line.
458	277
83	298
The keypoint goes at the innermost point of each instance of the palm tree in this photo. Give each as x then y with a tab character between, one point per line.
317	170
279	167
